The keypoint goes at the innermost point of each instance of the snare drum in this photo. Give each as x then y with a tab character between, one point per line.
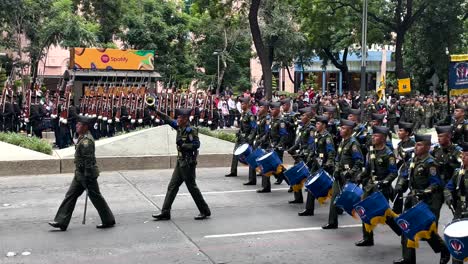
297	173
252	158
456	238
374	210
349	196
320	185
270	164
416	223
242	152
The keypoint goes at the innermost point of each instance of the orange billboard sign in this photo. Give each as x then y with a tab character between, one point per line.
111	59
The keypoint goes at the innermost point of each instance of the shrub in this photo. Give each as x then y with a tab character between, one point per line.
218	134
32	143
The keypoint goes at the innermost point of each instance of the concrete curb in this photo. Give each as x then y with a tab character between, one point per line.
66	165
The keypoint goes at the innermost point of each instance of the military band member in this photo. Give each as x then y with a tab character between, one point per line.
348	164
446	154
246	134
262	130
460	125
379	173
188	144
322	157
289	117
304	146
278	138
404	151
456	191
422	177
86	174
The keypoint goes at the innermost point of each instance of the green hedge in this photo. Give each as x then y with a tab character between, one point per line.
218	134
32	143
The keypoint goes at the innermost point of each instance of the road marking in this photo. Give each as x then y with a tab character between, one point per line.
276	231
222	192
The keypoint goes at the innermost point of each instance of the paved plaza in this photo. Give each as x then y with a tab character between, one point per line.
245	227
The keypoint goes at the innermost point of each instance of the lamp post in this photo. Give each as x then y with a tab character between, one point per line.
364	54
217	53
447	52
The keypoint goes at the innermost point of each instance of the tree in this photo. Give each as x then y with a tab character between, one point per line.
45	23
440	28
161	27
220	26
264	53
106	13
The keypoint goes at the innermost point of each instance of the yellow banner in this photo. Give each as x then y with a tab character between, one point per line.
404	86
111	59
459	57
456	92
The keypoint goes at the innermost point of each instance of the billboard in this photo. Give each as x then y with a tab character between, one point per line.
458	74
111	59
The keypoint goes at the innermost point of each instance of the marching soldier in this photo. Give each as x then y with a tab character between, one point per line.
423	179
263	126
348	164
379	173
304	146
403	154
392	115
289	117
188	144
333	124
246	134
456	191
262	130
278	138
322	157
369	109
429	113
86	174
445	153
460	125
418	115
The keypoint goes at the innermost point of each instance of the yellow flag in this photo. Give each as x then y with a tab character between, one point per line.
404	86
381	90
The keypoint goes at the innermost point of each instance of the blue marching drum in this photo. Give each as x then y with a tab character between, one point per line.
252	158
269	163
319	183
456	238
242	152
297	173
349	196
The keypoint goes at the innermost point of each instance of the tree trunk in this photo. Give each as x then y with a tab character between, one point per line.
260	47
400	39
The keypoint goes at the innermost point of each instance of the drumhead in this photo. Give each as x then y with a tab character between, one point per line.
265	156
241	149
457	229
314	179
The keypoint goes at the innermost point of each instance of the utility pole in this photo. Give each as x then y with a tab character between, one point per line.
363	54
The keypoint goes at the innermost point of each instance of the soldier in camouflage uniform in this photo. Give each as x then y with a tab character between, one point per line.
418	115
429	109
86	174
459	124
278	138
422	177
322	157
446	154
369	109
304	145
188	143
348	164
456	191
246	134
379	173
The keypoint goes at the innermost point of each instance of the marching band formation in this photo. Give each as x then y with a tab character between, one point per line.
353	163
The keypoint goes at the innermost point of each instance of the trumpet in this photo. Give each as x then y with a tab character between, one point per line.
150	100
